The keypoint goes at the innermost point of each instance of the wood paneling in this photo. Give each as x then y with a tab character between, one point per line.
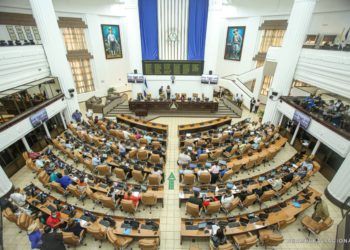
16	19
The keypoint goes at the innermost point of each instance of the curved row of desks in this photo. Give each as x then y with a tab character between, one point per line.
142	124
234	226
197	127
119	228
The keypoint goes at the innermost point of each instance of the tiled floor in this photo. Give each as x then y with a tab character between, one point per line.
170	215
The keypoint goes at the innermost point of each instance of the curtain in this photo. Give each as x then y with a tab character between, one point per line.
197	29
149	29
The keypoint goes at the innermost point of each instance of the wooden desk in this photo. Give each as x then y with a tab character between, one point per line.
137	233
166	105
273	218
142	124
202	126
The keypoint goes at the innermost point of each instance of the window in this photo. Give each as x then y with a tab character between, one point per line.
266	85
77	53
272	35
297	83
82	75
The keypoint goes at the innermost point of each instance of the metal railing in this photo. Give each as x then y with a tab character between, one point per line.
231	105
114	103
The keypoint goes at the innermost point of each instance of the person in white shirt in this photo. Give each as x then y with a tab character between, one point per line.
89	114
122	149
214	171
227	198
126	134
187	171
184	159
276	184
202	170
18	198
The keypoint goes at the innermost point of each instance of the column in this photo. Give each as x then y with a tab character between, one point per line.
281	119
47	130
339	189
314	150
51	37
6	184
298	25
295	134
26	145
63	121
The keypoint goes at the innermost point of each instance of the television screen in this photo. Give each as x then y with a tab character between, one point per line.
211	79
38	118
132	78
301	118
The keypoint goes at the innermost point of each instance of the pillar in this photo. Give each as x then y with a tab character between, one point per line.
295	134
6	184
63	121
338	189
47	130
52	40
298	26
317	145
281	119
26	145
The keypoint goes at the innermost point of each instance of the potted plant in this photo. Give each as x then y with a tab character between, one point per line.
110	91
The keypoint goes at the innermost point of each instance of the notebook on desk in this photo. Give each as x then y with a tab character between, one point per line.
105	223
191	227
233	224
51	208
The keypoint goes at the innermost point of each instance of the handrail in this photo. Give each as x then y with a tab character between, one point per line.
239	74
114	103
233	107
29	112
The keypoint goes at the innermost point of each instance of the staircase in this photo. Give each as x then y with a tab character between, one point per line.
223	110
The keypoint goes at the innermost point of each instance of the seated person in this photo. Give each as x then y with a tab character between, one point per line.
122	149
276	183
227	198
82	184
288	177
39	163
208	200
68	145
186	170
202	170
196	200
184	159
63	180
200	151
54	220
302	171
321	210
53	177
95	161
243	194
18	198
308	164
129	196
218	239
75	227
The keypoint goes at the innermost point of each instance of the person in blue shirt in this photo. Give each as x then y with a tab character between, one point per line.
77	116
63	180
200	151
308	165
34	236
96	161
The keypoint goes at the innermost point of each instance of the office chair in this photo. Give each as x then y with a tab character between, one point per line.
149	199
154	179
138	176
192	209
315	227
128	206
149	244
97	231
73	190
249	200
204	178
119	242
245	241
120	174
71	239
188	179
213	208
24	221
103	170
269	238
44	178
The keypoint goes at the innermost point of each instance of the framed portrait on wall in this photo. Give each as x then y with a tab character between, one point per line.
234	43
111	41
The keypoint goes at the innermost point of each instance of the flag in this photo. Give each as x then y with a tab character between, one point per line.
145	88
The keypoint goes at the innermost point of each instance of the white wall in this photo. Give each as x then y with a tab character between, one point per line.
20	129
330	23
22	64
333	140
183	84
329	70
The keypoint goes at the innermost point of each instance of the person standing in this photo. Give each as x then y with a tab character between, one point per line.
252	104
160	91
168	92
321	210
241	101
77	116
256	106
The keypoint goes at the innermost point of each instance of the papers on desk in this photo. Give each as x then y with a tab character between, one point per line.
181	195
127	231
83	223
137	194
188	135
270	181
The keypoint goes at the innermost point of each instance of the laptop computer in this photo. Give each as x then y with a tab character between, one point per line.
193	165
202	225
221	162
244	221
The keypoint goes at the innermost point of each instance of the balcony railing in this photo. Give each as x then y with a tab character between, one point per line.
338	122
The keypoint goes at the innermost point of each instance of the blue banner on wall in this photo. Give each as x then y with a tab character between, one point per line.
197	29
149	29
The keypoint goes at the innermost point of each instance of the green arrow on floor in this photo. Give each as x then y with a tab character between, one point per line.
171	180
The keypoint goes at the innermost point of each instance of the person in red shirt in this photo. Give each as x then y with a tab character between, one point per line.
54	220
130	196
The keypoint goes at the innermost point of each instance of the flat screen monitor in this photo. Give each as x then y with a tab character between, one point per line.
301	118
38	118
211	79
138	78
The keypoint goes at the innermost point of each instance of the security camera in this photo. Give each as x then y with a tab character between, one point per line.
71	90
